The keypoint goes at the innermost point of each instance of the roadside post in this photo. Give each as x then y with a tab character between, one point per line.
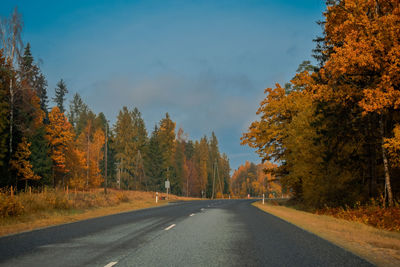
156	197
167	185
263	198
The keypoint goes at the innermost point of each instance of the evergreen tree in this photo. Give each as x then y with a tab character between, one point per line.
125	147
27	68
77	109
154	162
41	162
60	92
166	136
41	91
31	113
140	144
5	76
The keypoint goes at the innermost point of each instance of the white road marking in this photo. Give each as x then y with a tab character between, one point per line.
202	209
169	227
191	215
111	264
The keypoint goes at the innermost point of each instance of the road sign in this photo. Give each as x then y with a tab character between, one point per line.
167	184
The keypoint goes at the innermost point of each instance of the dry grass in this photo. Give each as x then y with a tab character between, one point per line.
25	211
378	246
386	218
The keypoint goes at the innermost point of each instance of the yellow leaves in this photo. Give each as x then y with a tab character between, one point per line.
89	147
20	162
252	179
364	66
60	135
392	146
277	110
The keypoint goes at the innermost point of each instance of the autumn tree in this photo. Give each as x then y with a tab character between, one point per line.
60	135
362	69
20	162
31	114
255	180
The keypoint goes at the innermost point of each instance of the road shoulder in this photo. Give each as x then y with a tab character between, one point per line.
377	246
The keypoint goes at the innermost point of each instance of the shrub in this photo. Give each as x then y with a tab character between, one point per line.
371	214
10	206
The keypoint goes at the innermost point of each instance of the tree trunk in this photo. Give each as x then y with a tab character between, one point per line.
105	161
11	116
388	188
88	156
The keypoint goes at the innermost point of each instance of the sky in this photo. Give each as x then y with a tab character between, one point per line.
206	63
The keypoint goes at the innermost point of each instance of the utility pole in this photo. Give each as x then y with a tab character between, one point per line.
212	195
105	161
88	155
219	179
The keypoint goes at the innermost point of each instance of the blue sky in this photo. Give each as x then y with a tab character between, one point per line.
207	63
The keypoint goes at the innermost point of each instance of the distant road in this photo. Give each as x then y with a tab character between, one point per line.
197	233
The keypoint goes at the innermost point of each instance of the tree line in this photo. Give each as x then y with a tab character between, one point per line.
334	129
254	180
60	146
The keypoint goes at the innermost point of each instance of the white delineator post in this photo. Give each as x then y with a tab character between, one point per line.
156	197
263	198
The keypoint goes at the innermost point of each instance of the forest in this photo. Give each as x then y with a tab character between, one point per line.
71	146
334	129
256	180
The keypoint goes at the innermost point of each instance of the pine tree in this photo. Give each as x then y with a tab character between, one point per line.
154	162
5	75
124	146
202	153
41	91
41	162
140	144
31	114
27	68
60	92
166	135
77	109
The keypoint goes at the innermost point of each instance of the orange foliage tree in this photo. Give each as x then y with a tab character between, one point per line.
60	136
255	180
21	163
364	63
91	144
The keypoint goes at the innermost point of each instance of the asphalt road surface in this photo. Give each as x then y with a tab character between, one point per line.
197	233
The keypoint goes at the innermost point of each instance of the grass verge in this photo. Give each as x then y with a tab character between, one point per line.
29	211
378	246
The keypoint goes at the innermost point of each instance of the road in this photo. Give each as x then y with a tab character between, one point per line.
197	233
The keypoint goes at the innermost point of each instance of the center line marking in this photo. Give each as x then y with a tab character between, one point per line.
111	264
191	215
169	227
